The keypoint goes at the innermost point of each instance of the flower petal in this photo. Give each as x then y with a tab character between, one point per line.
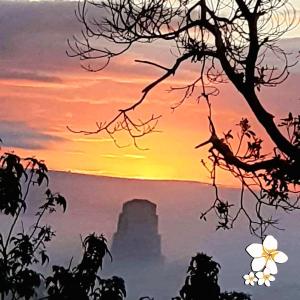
261	281
246	277
266	272
267	283
271	266
280	257
260	275
258	263
255	250
252	283
270	243
271	278
247	282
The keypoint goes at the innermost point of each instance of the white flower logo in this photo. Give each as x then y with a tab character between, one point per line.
264	277
266	255
250	279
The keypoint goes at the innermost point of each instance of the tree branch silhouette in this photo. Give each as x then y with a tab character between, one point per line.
230	40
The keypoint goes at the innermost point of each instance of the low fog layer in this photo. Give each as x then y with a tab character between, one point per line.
94	204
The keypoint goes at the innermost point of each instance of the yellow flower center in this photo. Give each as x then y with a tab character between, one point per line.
267	276
269	254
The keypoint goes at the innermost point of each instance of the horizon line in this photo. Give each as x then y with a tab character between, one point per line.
94	174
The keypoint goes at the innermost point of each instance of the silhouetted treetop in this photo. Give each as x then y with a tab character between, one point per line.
22	249
202	279
83	281
202	282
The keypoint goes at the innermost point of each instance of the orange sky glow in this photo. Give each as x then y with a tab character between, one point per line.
42	95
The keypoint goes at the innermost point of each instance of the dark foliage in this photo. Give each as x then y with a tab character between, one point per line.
202	282
234	296
113	288
21	251
82	281
202	277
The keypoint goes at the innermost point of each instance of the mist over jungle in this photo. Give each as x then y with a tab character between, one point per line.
95	202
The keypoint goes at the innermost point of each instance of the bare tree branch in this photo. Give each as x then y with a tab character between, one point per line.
230	41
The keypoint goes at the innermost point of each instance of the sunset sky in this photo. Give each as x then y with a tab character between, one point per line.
42	91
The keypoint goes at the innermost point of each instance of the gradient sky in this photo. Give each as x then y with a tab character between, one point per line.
42	91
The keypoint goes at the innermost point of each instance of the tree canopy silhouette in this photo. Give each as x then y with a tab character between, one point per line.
82	281
23	249
230	40
202	281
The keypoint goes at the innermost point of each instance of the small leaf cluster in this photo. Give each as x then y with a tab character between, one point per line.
82	281
21	250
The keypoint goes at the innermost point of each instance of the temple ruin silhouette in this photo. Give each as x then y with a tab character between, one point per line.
137	238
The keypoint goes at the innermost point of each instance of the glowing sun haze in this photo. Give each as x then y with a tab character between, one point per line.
42	91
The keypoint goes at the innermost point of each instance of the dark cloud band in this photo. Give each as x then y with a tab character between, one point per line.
20	135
